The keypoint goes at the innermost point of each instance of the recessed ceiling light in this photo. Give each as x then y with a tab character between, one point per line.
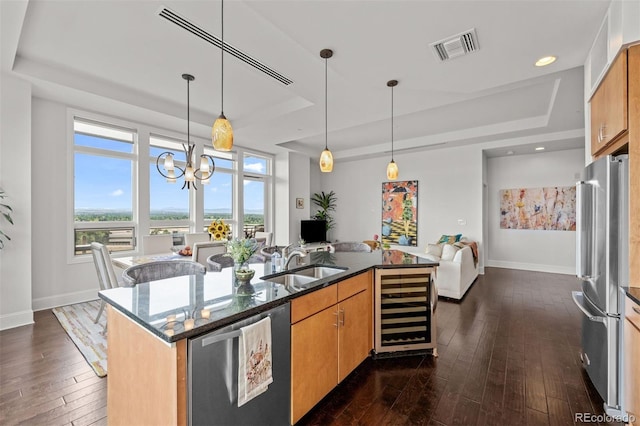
509	152
547	60
540	148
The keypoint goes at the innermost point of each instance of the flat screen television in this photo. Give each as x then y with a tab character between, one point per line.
313	231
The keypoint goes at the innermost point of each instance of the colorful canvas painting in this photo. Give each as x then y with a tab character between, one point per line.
400	213
548	209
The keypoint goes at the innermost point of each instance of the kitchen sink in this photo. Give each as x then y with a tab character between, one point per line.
301	279
293	281
318	272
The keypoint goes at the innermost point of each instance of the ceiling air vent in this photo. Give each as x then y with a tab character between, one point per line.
457	45
183	23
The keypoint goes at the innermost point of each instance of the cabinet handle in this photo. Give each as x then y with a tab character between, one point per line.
636	310
600	133
342	320
335	324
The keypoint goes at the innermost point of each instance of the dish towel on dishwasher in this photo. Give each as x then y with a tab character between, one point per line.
254	360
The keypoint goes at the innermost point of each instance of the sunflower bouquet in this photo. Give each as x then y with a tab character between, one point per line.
219	230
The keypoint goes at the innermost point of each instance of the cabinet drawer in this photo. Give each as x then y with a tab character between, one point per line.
305	306
354	285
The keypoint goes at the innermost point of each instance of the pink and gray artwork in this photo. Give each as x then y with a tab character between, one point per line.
548	209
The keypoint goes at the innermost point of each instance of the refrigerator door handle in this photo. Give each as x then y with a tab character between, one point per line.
578	299
585	221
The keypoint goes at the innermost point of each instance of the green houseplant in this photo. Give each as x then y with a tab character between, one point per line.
6	211
241	250
327	204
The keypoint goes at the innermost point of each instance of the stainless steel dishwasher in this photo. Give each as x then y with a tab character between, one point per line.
213	376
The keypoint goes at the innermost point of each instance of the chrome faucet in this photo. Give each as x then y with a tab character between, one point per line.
296	253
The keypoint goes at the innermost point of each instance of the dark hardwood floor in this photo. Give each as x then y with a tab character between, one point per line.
508	356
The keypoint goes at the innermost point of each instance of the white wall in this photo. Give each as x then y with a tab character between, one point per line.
292	181
449	189
56	281
15	179
548	251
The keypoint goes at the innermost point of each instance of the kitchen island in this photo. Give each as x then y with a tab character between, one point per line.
150	325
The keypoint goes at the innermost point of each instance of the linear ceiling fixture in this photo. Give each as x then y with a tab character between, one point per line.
183	23
392	167
222	132
326	158
457	45
207	165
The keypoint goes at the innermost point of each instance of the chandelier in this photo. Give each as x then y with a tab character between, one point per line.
191	175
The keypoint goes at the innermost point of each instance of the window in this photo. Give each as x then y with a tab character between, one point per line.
104	167
168	202
219	193
256	184
119	194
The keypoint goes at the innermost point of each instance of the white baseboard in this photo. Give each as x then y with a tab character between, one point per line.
16	319
64	299
554	269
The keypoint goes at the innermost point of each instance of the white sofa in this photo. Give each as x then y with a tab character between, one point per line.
453	277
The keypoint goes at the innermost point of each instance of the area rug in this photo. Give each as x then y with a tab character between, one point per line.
90	338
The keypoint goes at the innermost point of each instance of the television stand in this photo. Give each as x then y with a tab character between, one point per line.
309	247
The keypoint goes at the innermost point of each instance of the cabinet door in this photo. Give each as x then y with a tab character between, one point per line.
314	360
354	332
609	107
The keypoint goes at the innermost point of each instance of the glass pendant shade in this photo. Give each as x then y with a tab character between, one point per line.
222	134
188	174
168	162
326	161
204	165
392	170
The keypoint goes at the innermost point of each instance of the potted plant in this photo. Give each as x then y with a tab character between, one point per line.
241	250
327	204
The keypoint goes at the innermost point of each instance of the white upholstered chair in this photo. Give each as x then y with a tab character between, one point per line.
200	237
161	269
201	251
268	237
106	276
154	244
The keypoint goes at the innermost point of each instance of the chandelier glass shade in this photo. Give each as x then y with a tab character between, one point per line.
191	175
222	132
326	158
392	167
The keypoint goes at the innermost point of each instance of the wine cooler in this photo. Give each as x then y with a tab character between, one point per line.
406	300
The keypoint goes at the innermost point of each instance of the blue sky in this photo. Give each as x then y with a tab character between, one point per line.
105	182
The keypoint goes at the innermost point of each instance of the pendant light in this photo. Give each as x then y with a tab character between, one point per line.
392	167
326	158
222	132
191	175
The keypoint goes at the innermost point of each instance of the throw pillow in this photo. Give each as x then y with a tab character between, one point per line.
449	251
434	249
450	239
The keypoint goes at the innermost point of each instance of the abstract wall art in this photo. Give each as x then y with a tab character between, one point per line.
400	213
549	209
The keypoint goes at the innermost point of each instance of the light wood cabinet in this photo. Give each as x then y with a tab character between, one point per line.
140	364
327	345
631	356
609	107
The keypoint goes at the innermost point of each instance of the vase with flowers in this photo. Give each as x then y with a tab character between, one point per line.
219	230
241	250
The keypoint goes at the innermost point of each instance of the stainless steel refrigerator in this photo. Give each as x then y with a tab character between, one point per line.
602	265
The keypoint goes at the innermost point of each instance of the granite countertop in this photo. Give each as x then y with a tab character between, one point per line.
633	293
166	307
